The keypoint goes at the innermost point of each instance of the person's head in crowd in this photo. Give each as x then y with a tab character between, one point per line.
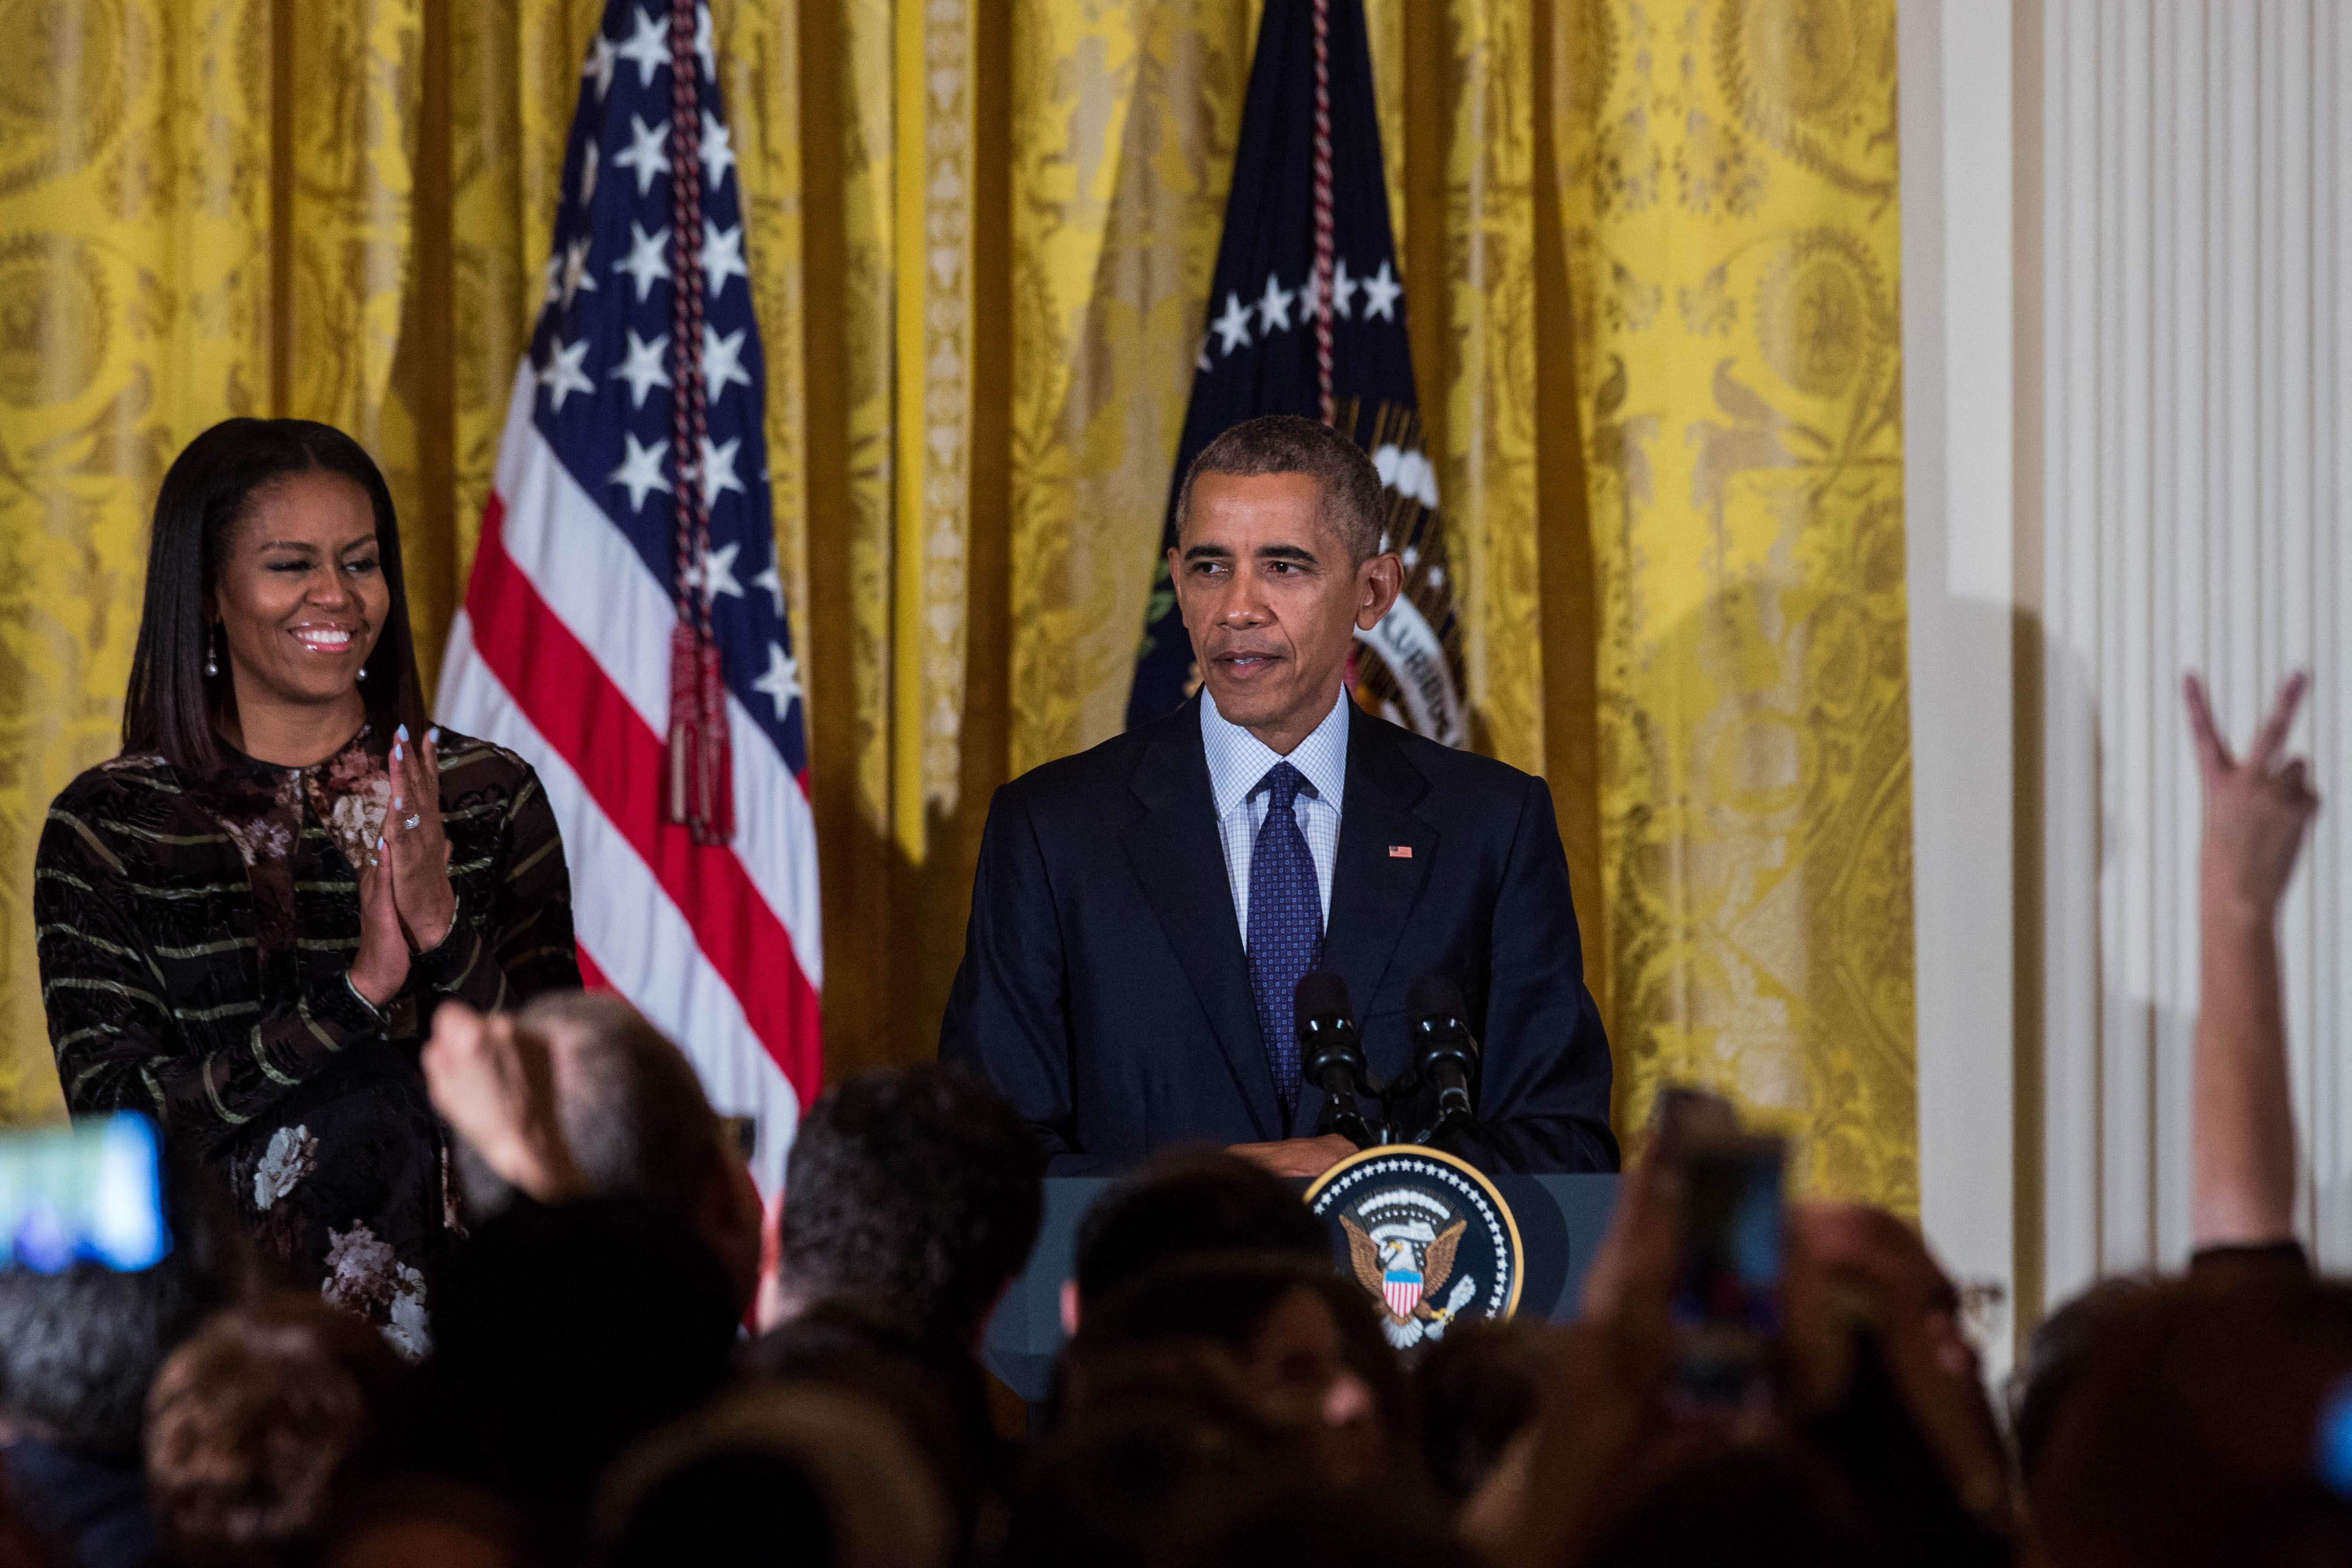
395	1520
1303	1341
1149	1436
1185	1200
935	1389
251	1421
2194	1430
803	1476
638	1126
917	1187
564	1333
2055	1353
1474	1392
1323	1526
77	1349
1755	1504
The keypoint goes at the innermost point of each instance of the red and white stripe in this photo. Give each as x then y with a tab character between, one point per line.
561	654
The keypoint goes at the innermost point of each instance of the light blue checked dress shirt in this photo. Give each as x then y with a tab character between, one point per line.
1239	760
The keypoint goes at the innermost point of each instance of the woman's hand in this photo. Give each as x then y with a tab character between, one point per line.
2255	809
418	849
380	968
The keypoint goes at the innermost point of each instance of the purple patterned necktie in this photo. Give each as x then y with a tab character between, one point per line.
1285	924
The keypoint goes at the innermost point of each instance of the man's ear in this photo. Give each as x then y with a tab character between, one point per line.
1378	583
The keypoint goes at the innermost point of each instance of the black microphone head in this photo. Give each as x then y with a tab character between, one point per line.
1320	994
1434	997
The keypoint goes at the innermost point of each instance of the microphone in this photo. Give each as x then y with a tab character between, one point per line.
1331	1054
1442	1049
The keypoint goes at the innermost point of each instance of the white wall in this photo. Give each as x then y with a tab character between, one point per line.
2127	277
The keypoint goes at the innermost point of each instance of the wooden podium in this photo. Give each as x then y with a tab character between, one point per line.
1561	1219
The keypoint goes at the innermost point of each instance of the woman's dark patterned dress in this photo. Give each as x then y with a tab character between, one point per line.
195	939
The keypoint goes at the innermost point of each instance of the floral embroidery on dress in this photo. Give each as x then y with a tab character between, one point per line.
408	1331
292	1154
366	1277
352	803
359	1267
263	838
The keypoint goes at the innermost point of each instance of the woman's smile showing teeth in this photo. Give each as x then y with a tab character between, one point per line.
324	639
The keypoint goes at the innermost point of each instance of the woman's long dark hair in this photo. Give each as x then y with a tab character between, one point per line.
171	707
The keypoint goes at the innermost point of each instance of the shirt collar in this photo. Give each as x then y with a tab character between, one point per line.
1238	760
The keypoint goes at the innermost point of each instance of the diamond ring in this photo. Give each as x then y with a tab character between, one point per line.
411	820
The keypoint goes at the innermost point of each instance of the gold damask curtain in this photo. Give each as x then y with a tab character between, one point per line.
1652	260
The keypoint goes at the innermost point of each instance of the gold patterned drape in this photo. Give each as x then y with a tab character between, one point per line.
1726	186
1650	254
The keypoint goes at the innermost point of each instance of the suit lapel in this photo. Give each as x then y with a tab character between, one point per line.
1373	889
1178	857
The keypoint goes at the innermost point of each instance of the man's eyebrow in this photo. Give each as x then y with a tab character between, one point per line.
1208	552
1286	553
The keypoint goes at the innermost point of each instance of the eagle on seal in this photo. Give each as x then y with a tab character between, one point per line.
1386	1266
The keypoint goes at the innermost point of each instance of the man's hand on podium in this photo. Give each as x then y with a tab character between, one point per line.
1307	1157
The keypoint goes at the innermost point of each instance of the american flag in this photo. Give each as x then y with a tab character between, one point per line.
623	629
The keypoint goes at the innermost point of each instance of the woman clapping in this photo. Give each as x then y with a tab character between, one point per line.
245	917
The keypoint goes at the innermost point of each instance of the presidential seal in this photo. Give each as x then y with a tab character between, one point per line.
1427	1235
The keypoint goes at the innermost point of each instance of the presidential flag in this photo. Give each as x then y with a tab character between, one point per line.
1306	316
623	629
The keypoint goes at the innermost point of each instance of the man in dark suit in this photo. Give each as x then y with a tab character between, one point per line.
1142	911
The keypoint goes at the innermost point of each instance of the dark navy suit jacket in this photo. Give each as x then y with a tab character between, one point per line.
1105	990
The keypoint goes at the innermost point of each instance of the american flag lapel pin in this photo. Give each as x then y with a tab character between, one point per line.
1400	851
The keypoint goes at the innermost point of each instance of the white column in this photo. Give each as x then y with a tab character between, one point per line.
1959	412
2196	299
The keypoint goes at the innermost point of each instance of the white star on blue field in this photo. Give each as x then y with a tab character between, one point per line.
604	353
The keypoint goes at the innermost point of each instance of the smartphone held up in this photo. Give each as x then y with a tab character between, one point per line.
1725	1306
93	1190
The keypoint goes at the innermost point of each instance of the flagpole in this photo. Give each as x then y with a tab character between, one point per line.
1324	243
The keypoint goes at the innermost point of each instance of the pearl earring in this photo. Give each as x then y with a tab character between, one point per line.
363	672
212	665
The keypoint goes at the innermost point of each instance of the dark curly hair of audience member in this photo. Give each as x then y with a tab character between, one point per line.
917	1185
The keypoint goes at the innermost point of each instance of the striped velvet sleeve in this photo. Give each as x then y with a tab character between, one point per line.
521	944
115	1025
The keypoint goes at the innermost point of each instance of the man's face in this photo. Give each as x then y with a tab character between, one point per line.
1272	600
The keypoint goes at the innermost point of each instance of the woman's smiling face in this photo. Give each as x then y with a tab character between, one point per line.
300	593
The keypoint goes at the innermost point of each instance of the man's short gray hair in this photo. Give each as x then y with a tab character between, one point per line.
1287	444
633	1110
